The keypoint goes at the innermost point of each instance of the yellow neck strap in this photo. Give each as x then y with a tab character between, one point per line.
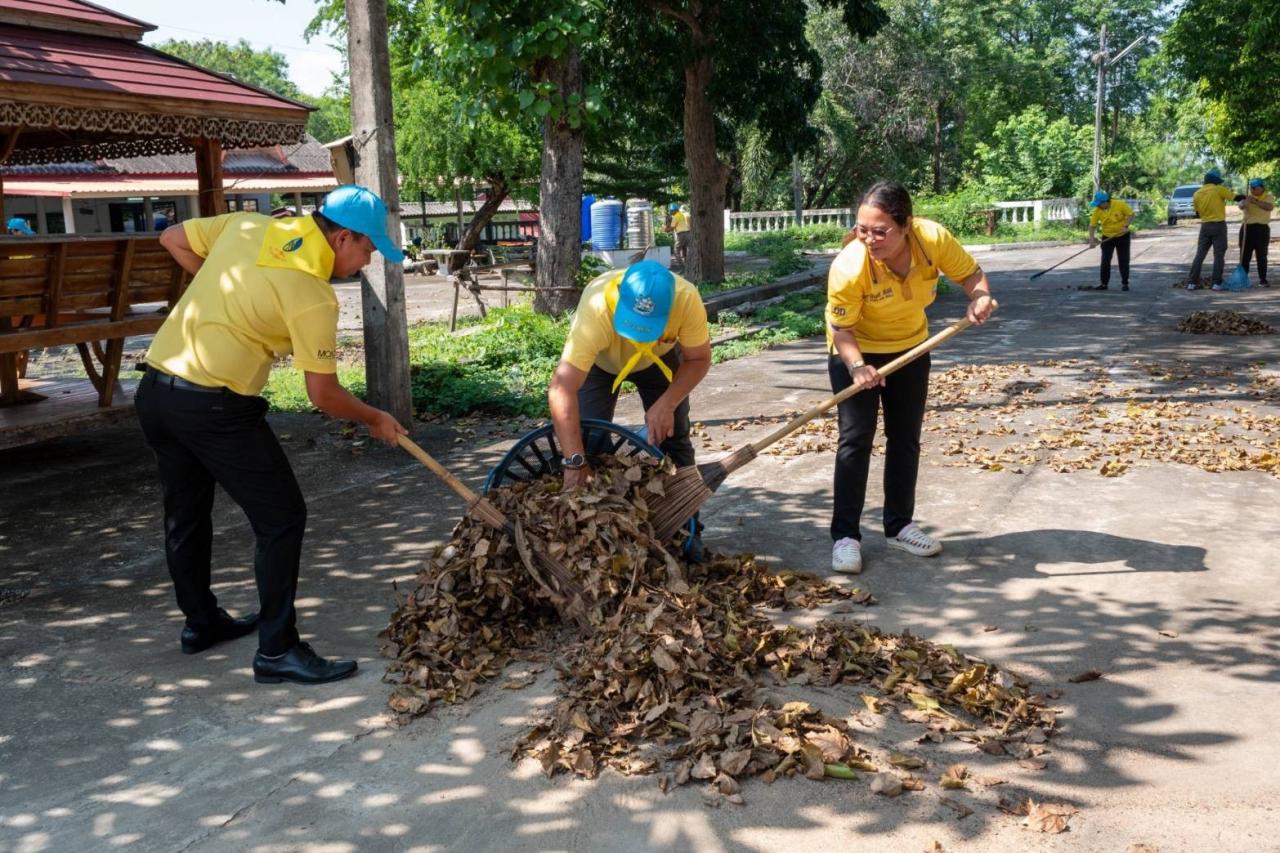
643	350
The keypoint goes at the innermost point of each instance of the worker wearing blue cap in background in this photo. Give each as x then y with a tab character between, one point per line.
18	227
679	227
1112	217
1210	203
1257	207
260	290
646	325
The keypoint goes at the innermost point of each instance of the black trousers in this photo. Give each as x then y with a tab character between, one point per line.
597	400
903	400
201	438
1213	235
1256	239
1120	247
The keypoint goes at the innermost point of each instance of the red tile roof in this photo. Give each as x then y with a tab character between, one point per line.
109	67
72	15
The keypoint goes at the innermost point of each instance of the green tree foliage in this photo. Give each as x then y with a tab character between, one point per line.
1230	50
1030	156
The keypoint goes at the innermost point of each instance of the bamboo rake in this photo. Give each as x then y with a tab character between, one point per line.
686	490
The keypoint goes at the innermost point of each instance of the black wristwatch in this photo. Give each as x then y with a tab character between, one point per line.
573	461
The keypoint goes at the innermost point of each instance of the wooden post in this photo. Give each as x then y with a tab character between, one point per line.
209	176
386	332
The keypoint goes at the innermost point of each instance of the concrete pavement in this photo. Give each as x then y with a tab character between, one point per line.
1161	578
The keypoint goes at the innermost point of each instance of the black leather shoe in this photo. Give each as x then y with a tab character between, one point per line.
1124	286
227	627
301	665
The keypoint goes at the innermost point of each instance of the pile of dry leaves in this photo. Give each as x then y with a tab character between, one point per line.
682	667
1223	323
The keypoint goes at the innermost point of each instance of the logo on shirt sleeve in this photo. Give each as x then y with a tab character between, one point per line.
325	354
837	311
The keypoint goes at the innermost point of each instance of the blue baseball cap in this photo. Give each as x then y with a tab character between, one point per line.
1100	197
1213	176
20	225
1254	183
673	207
645	296
360	210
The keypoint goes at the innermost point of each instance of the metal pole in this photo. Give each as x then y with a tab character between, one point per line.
1101	59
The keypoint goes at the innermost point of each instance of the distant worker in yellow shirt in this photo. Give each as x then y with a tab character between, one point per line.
679	226
877	292
1112	217
642	324
1257	207
1210	203
260	290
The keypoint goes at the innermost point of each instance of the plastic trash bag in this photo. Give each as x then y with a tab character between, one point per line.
1238	280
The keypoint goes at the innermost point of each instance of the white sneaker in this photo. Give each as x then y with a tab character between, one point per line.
915	541
1218	286
1191	285
846	557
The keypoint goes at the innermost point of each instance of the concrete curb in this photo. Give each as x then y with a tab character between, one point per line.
718	302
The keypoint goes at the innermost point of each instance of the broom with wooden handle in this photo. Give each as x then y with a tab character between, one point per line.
569	597
686	490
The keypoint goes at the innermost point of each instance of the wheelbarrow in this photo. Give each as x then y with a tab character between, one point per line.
537	455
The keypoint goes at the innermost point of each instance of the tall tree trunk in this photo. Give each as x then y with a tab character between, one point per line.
560	195
708	175
937	147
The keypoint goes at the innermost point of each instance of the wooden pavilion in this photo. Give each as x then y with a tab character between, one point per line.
77	84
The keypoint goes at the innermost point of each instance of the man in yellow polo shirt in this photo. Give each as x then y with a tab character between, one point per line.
1257	207
679	227
877	291
1113	217
260	291
645	325
1210	203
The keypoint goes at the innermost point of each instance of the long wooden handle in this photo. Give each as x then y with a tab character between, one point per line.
1069	257
439	470
830	403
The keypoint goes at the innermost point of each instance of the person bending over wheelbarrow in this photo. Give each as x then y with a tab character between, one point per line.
646	325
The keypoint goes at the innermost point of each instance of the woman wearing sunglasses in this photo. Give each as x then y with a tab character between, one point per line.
877	292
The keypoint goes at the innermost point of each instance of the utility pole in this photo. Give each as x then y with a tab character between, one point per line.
797	190
1101	58
386	328
1104	62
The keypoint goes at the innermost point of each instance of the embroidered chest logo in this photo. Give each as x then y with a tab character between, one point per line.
880	295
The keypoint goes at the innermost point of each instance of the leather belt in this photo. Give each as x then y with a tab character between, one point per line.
177	383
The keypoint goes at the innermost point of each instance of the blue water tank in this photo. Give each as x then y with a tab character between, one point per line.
587	201
606	224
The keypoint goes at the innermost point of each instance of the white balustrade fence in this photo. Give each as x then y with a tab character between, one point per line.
778	220
1033	212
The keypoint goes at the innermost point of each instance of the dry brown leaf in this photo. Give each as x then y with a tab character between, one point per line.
954	778
962	811
1049	817
1087	675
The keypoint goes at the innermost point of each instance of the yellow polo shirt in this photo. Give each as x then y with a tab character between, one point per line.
593	341
679	221
1111	222
886	313
263	292
1254	215
1210	202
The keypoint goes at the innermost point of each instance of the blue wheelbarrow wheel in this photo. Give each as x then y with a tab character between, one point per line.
538	455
